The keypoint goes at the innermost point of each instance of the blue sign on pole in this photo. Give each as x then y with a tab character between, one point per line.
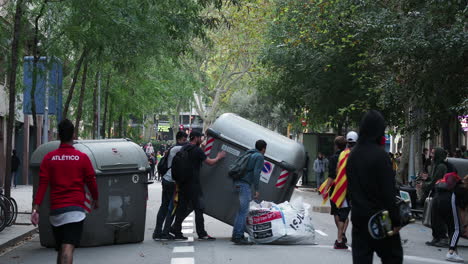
53	68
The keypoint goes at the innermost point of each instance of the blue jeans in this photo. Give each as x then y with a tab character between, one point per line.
245	196
165	216
319	178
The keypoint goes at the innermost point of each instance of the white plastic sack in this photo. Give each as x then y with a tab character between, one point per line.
285	223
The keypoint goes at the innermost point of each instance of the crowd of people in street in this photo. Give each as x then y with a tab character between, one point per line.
360	178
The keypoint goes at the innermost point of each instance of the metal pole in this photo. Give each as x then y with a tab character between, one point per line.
99	107
411	174
45	128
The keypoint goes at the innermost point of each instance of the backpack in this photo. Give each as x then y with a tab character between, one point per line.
181	165
162	164
448	182
239	168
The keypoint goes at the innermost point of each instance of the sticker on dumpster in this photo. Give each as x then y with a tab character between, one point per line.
233	151
135	178
266	171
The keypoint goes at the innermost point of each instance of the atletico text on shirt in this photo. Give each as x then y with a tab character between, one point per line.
65	157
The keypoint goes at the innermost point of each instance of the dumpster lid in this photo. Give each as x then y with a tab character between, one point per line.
245	133
108	154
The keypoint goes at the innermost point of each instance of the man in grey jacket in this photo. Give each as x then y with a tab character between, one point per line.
165	214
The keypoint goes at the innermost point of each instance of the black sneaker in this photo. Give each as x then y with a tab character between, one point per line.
156	237
340	245
433	242
207	237
242	241
180	237
233	238
167	237
345	240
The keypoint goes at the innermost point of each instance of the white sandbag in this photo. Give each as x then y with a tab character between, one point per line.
285	223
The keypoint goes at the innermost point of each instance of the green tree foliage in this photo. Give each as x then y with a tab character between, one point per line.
339	58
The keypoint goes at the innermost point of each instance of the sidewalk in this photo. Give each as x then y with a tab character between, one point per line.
23	227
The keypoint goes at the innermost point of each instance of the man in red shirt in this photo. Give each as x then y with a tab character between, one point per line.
67	171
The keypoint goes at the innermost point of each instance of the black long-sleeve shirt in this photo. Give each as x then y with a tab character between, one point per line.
371	184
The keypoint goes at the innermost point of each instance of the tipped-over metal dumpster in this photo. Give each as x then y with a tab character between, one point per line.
284	161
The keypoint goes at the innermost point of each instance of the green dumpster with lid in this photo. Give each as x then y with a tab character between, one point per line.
284	163
121	169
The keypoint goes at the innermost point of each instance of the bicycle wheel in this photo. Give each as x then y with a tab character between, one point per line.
8	210
15	210
3	216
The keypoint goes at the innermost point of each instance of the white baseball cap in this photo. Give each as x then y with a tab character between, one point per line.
352	136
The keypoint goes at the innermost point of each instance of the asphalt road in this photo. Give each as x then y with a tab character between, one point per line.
223	251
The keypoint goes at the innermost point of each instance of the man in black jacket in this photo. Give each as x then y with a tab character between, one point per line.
371	185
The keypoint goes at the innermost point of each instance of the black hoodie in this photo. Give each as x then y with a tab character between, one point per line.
371	180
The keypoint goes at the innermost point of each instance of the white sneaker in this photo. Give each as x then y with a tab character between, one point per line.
454	257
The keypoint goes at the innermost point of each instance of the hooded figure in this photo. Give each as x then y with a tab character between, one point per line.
371	185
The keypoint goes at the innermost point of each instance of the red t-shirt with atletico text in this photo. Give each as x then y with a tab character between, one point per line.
67	171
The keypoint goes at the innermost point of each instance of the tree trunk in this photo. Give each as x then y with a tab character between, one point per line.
79	110
95	113
111	124
121	125
15	46
73	84
176	121
36	58
106	100
402	173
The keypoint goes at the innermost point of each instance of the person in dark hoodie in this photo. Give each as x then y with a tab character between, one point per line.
371	185
439	169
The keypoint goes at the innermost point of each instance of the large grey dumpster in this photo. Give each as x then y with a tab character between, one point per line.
121	174
461	165
284	161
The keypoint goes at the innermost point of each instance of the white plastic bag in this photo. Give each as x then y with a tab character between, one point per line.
285	223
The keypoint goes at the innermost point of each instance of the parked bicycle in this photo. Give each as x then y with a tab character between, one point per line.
8	211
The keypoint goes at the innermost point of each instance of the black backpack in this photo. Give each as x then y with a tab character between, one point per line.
181	168
239	168
162	165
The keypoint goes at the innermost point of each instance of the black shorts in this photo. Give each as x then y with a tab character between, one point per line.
68	234
342	213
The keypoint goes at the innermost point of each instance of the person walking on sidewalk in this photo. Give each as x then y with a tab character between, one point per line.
66	171
319	169
371	185
244	189
15	163
190	191
165	214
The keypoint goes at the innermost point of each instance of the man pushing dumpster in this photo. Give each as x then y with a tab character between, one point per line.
185	170
244	185
67	171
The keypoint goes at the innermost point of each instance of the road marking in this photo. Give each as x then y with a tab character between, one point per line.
190	218
187	231
321	233
406	258
187	224
182	261
187	249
